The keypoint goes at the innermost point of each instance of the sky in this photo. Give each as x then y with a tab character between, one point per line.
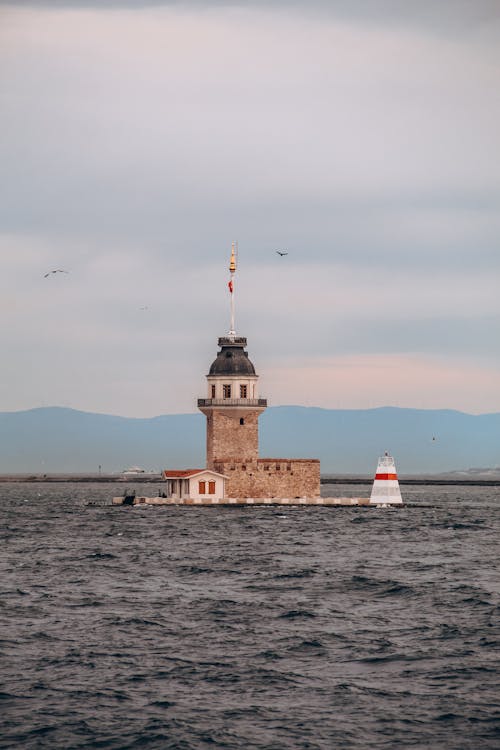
139	139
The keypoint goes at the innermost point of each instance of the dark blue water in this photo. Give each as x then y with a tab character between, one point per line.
272	628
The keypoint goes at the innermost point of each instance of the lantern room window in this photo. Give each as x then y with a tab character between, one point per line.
243	391
226	391
213	391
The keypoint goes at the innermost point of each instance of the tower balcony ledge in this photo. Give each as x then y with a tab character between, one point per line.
259	402
232	341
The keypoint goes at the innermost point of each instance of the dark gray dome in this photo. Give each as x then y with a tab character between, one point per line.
232	358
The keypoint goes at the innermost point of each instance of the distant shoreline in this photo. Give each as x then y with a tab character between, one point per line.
156	479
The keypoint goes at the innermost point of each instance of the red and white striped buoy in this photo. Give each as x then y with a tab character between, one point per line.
385	490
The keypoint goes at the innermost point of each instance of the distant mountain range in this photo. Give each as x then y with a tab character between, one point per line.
56	439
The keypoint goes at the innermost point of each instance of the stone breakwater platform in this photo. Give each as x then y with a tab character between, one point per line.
229	501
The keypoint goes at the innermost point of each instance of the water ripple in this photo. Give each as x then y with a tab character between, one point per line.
249	629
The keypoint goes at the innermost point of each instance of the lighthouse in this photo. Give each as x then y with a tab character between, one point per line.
385	490
232	406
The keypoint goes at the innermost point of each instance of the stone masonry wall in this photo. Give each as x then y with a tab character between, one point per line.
227	437
271	477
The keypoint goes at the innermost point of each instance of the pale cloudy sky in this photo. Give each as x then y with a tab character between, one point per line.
140	138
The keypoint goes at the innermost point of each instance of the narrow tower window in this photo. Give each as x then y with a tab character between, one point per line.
243	391
226	391
242	421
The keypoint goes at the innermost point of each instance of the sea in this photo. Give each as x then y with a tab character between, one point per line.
308	628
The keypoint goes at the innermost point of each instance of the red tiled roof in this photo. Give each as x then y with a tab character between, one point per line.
177	474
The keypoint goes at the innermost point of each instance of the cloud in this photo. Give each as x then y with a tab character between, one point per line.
137	144
372	381
457	14
180	116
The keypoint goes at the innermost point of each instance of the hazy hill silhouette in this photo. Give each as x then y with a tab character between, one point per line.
55	439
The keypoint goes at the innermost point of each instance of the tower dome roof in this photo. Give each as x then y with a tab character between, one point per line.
232	358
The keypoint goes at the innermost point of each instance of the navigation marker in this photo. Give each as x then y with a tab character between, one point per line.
385	490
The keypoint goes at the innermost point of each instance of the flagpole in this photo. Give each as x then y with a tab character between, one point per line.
232	270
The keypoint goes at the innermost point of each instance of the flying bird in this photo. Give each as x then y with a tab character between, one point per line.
57	270
282	252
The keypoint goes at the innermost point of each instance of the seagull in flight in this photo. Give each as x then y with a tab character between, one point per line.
282	252
57	270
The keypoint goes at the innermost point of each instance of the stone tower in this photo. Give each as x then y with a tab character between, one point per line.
232	409
232	406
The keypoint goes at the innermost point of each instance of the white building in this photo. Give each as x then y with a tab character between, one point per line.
194	484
